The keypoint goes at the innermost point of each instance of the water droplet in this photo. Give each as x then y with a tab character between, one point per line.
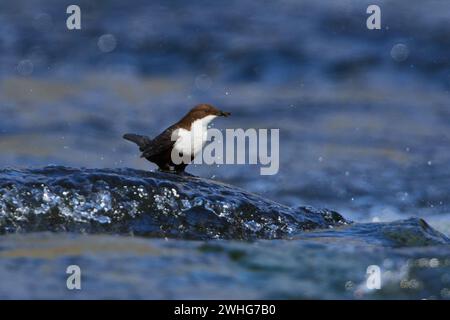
400	52
203	82
349	285
25	67
42	22
107	43
388	263
434	263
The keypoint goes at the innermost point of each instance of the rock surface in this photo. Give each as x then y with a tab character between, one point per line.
155	204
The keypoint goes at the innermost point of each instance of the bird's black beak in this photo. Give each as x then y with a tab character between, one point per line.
224	114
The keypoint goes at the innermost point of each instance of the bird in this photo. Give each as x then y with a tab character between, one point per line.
186	138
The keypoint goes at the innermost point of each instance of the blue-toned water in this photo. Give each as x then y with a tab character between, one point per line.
364	132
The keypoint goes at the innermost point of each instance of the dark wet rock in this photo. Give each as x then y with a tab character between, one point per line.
413	232
153	204
156	204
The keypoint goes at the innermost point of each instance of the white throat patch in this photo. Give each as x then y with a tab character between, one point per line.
190	142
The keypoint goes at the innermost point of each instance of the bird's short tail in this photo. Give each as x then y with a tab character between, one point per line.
141	141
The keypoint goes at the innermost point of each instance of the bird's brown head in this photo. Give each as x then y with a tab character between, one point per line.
201	111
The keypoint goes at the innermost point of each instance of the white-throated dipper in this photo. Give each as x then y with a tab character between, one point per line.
186	137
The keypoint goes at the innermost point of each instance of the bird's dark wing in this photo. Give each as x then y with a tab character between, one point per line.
160	144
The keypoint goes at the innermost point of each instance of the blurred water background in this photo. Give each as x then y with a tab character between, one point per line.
363	114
